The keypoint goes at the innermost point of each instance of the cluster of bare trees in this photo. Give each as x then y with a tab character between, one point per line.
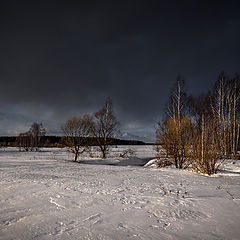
201	131
79	132
197	131
100	127
31	140
226	112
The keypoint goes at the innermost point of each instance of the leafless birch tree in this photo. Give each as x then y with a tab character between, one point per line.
175	132
205	154
225	105
37	131
32	139
24	141
104	126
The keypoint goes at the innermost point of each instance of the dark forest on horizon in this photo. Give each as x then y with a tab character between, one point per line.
57	141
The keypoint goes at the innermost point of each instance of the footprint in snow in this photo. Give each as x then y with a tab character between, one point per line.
94	219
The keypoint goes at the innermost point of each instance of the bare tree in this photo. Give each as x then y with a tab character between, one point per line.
205	154
31	140
175	132
236	114
24	141
225	105
76	130
176	106
104	126
37	131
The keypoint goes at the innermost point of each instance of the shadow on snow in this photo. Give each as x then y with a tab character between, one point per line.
117	161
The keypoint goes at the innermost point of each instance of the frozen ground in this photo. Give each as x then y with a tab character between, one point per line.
45	196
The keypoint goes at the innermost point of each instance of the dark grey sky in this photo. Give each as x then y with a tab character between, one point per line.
64	58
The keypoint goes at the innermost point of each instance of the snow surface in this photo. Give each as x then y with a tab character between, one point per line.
45	195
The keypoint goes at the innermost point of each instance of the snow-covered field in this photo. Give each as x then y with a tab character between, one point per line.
46	196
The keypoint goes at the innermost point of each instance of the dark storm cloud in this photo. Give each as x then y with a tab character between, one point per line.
64	58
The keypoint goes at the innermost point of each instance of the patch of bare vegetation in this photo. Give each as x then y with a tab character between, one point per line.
164	163
128	153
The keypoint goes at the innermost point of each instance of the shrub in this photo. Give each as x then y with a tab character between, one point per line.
236	157
128	153
164	163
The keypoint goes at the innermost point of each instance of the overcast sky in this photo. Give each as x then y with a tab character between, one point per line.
64	58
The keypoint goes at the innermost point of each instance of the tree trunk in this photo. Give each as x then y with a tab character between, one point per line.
203	129
103	154
234	118
76	157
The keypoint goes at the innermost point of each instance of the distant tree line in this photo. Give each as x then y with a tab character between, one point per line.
48	141
201	131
